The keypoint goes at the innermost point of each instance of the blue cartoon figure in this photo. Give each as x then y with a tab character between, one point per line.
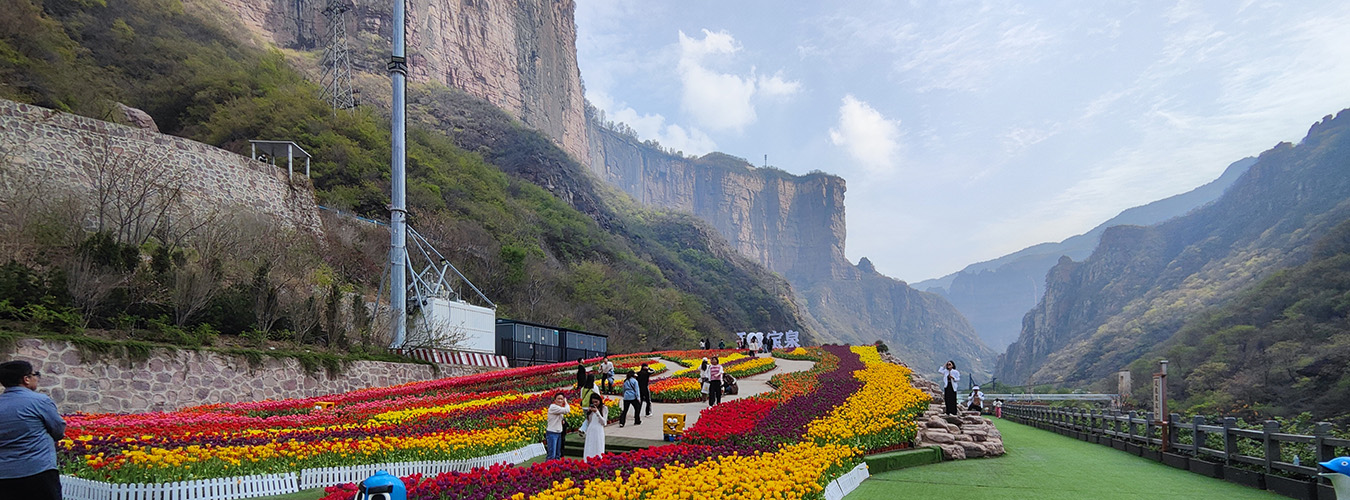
1339	476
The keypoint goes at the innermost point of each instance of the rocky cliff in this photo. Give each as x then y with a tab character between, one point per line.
795	225
790	224
995	294
1142	284
924	328
520	56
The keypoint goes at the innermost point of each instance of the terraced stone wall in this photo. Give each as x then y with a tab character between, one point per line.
172	380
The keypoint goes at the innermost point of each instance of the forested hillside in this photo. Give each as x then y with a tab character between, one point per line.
1244	291
562	253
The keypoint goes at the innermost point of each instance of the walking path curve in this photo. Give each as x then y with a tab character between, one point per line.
749	386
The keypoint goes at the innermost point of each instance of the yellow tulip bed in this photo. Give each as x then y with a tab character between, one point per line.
879	414
789	443
791	472
785	447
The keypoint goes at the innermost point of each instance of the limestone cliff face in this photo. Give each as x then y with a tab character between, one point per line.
790	224
520	55
795	225
1129	299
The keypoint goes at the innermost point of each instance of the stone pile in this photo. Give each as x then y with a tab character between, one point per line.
963	436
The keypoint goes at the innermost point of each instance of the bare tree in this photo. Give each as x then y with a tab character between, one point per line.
133	190
433	333
302	309
194	287
90	284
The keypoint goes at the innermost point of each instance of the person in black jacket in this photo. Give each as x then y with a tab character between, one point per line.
644	378
581	375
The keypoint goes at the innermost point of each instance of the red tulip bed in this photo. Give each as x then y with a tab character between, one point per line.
788	443
456	418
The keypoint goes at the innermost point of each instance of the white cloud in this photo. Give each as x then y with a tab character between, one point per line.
1019	138
691	141
867	135
776	86
722	101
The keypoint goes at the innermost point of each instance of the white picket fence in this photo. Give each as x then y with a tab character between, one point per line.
315	478
223	488
839	488
233	488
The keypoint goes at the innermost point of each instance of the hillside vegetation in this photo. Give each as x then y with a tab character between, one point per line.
1244	292
562	255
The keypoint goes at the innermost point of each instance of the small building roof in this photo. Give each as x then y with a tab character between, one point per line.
278	148
502	321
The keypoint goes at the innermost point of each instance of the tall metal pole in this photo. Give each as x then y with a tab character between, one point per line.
398	209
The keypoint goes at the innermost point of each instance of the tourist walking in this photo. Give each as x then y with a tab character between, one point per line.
597	415
589	385
715	382
607	372
950	378
721	344
644	378
581	375
30	426
553	432
631	398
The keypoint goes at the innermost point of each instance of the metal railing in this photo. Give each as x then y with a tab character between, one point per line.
1044	397
1141	428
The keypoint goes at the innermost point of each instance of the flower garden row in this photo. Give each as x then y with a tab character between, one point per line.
788	443
812	428
448	419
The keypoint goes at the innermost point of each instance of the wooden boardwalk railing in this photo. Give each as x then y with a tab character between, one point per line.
1254	457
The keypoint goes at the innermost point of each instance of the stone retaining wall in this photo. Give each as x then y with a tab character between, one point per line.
173	380
63	150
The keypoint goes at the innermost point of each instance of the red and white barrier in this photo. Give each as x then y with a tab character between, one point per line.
446	357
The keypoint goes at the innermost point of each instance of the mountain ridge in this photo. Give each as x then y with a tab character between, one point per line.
1143	284
995	294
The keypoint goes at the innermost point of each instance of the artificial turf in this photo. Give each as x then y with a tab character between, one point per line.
1044	465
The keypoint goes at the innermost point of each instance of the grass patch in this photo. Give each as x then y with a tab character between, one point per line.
1045	465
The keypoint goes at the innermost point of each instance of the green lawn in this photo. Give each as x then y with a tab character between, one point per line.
1045	465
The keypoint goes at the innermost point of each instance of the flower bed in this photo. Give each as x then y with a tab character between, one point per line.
749	366
677	390
757	447
787	443
440	420
800	353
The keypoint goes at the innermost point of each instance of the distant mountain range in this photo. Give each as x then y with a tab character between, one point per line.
994	295
1247	295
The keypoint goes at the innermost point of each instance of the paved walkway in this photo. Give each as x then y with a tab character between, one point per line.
651	428
1044	465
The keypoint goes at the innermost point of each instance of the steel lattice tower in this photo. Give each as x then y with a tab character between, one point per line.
337	62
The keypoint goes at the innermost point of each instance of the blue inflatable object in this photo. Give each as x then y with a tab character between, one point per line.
382	486
1339	476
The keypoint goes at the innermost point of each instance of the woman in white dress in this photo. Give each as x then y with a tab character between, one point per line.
597	415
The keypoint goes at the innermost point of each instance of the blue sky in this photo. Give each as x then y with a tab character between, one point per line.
967	130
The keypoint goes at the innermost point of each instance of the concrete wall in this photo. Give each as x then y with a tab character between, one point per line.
61	149
173	380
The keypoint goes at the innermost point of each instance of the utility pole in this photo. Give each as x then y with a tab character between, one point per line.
398	208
